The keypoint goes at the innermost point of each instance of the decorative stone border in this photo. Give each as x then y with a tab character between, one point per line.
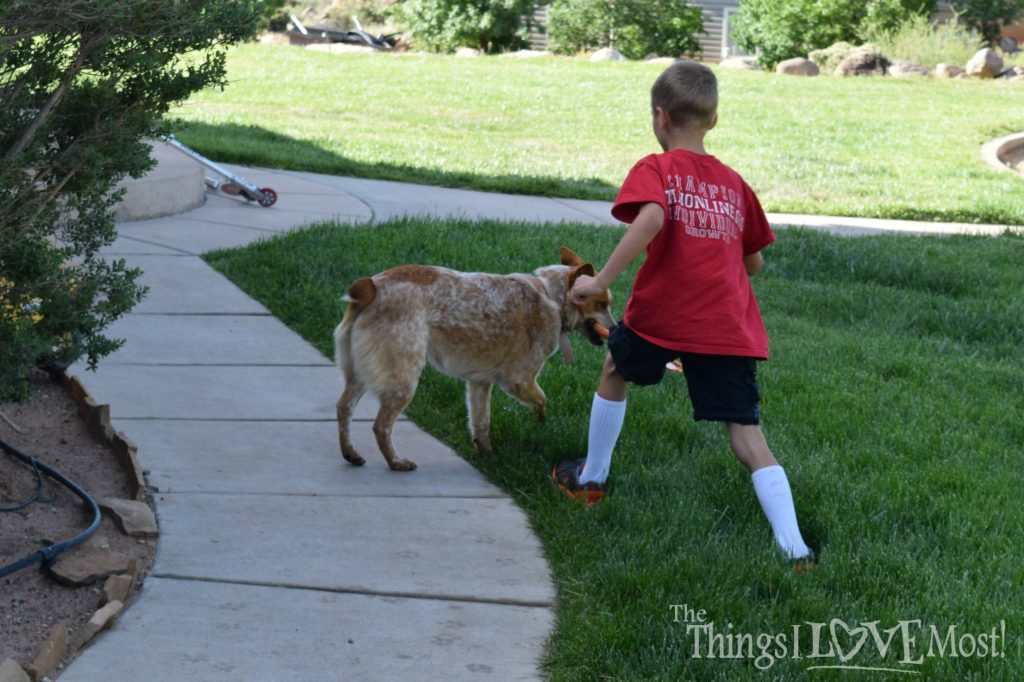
97	418
994	151
118	588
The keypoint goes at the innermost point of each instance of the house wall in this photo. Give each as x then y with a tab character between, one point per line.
714	24
710	42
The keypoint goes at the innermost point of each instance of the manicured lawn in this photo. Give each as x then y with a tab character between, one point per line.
566	127
893	398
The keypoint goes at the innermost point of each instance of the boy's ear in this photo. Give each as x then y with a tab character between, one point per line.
714	121
661	118
568	257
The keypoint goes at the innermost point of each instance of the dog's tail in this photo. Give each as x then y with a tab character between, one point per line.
360	295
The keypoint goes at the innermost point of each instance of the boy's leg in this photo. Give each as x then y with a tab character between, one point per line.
607	412
770	485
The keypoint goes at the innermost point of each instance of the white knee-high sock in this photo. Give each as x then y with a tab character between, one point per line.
606	417
776	498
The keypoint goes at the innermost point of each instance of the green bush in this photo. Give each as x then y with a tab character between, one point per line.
446	25
780	30
924	42
988	16
635	28
338	13
83	84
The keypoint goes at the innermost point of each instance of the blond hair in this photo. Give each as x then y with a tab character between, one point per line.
688	94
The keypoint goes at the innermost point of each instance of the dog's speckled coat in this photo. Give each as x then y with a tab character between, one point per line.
486	329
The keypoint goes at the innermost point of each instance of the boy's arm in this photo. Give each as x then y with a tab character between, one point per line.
753	263
641	231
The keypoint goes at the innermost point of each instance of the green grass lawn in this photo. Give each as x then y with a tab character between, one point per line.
566	127
893	398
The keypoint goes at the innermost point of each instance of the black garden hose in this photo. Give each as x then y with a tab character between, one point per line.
48	555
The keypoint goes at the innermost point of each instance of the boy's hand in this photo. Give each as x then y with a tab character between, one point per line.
583	288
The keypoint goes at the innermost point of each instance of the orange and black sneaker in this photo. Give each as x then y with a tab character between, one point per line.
567	475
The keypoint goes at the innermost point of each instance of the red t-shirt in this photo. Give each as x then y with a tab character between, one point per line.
692	292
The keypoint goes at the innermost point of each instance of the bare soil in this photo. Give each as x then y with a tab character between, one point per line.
47	427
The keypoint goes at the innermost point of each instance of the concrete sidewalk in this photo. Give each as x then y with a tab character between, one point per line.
278	561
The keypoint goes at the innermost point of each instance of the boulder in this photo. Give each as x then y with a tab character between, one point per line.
985	64
828	58
948	71
797	66
863	62
748	63
1009	45
1013	72
901	69
467	52
607	54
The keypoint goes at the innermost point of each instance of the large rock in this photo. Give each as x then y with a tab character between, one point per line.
828	58
467	52
607	54
748	63
797	66
948	71
901	69
863	63
985	64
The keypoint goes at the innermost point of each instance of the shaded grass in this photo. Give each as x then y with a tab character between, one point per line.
564	127
893	399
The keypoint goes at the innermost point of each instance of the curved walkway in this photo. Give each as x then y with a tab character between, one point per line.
277	561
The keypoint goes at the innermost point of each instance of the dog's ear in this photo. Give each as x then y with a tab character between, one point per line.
361	293
584	269
568	257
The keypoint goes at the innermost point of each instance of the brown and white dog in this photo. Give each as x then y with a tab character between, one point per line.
486	329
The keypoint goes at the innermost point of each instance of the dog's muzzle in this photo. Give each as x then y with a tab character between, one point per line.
591	335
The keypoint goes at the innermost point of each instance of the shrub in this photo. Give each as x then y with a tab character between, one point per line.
924	42
635	28
988	16
83	84
337	13
446	25
780	30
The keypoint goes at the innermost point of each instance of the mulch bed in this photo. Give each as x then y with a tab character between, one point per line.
48	428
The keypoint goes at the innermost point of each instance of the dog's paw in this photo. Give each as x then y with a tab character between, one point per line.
482	446
353	457
403	465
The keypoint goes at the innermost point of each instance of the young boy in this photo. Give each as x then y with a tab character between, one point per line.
703	229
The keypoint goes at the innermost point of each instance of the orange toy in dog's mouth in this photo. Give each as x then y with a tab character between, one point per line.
602	331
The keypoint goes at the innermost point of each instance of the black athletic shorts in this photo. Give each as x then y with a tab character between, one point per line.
722	387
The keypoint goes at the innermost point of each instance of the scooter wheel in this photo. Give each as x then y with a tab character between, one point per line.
268	199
